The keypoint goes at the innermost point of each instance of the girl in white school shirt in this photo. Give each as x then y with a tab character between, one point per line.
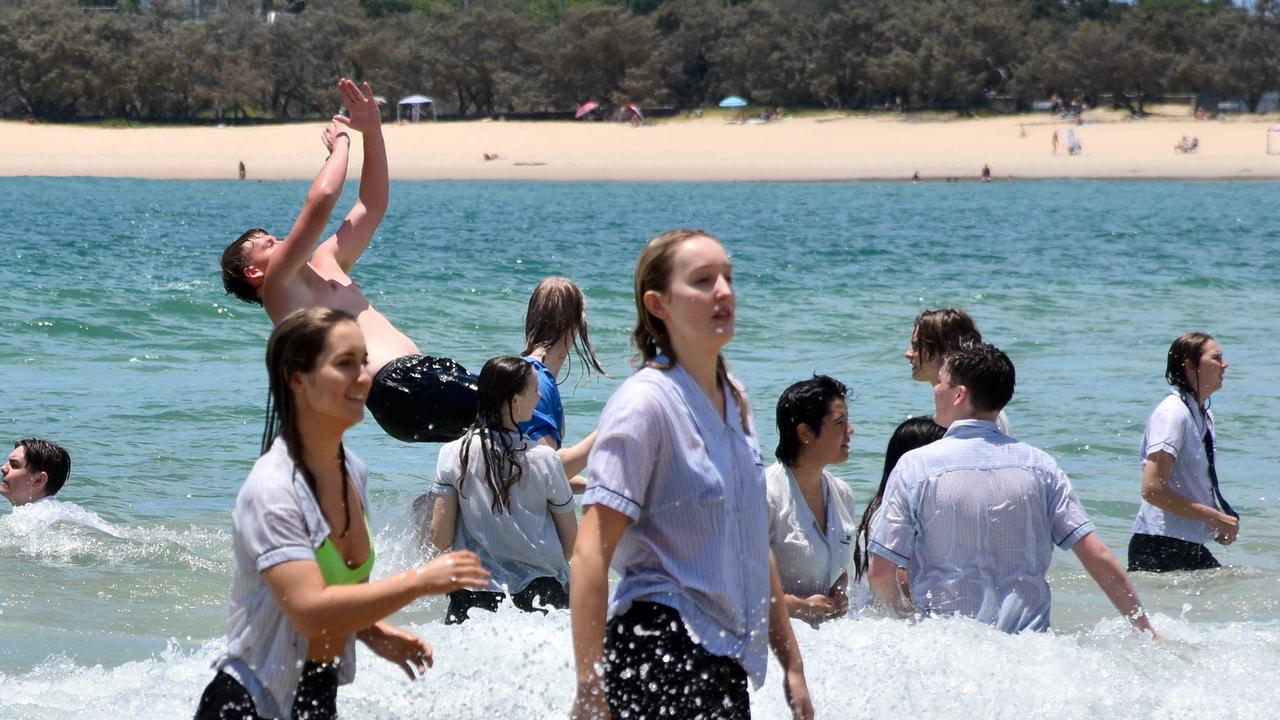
676	502
811	519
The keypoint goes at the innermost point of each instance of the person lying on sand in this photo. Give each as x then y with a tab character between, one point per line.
414	398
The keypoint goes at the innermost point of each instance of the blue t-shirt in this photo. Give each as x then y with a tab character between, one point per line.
548	416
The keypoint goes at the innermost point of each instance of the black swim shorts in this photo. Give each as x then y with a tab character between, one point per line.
423	399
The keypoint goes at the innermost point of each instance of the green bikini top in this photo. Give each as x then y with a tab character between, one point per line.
335	570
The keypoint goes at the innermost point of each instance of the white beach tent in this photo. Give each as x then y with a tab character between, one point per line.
415	102
1273	146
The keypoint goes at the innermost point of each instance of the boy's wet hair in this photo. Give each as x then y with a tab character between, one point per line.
234	261
49	458
986	371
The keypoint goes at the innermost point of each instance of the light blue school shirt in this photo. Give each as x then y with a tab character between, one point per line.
974	518
693	485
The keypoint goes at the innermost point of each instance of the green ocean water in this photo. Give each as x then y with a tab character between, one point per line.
119	342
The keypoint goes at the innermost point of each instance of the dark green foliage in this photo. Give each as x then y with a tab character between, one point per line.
279	59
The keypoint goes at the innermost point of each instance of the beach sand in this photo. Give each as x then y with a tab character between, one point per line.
807	148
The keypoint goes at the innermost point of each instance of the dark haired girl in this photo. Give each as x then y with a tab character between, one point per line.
912	433
506	498
1182	506
301	595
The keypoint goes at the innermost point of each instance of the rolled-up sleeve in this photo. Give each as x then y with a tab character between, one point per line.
273	529
625	453
893	535
559	494
1164	430
449	469
1067	518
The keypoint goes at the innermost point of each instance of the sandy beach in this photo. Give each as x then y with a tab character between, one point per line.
806	148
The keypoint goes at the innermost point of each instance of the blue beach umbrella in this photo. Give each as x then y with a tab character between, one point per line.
733	101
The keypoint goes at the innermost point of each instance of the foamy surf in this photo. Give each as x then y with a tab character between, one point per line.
511	664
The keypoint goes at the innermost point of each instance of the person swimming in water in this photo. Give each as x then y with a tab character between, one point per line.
414	398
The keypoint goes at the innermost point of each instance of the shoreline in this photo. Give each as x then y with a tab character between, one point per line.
811	148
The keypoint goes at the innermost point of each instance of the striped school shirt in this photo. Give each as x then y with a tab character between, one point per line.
974	518
692	483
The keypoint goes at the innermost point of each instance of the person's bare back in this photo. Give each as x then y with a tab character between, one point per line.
414	398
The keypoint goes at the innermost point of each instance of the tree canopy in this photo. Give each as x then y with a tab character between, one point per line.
275	59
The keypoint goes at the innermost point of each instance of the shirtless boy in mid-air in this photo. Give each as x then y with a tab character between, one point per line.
414	398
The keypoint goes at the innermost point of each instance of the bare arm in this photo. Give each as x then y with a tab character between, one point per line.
353	236
444	521
1105	570
1155	489
783	642
574	457
302	237
598	536
567	531
882	576
324	611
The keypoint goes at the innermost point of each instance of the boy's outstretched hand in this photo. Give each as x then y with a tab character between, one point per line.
364	114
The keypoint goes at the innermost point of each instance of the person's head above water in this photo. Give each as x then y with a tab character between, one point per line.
557	318
244	264
35	469
975	381
683	294
507	393
1195	365
934	334
813	417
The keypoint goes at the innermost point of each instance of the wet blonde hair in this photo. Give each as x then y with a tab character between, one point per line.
653	272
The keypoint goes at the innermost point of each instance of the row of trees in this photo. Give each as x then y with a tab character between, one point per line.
62	60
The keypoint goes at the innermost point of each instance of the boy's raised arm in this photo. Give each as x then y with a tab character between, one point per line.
357	229
321	198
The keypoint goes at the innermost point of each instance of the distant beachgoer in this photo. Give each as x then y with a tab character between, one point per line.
1073	143
912	433
974	516
300	590
677	505
811	517
1182	506
491	156
915	178
936	333
1054	144
35	471
506	499
242	172
555	322
986	173
414	398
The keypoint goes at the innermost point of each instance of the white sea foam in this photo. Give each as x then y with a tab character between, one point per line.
64	532
510	664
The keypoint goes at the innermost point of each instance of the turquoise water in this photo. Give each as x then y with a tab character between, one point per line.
119	342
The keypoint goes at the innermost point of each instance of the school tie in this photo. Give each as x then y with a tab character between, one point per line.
1213	474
